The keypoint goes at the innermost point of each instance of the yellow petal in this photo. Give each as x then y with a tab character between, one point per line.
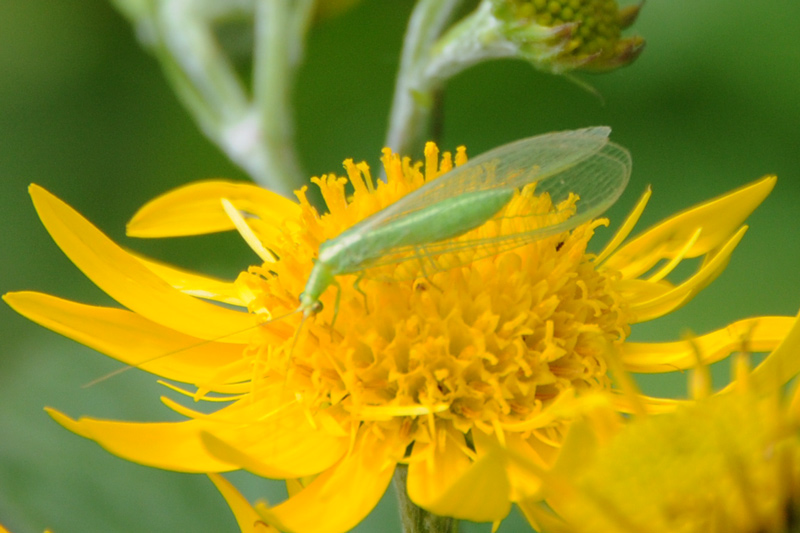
195	209
279	450
626	228
179	445
194	284
780	366
341	497
642	290
718	219
678	296
127	280
272	436
128	337
168	445
541	518
525	483
579	446
651	404
247	232
761	334
451	485
429	479
246	516
294	486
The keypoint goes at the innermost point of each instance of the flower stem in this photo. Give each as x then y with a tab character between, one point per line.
256	132
415	519
280	31
414	94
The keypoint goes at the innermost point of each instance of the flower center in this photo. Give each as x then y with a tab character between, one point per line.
483	335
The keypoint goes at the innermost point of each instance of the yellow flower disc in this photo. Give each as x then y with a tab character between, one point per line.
489	343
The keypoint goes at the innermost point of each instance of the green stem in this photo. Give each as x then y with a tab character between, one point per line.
280	31
414	93
433	53
256	133
415	519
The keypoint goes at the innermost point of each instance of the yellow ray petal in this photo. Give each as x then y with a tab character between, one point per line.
128	337
760	334
194	284
246	231
524	483
341	497
272	437
678	296
294	486
652	405
579	444
127	280
542	518
626	228
282	454
640	290
452	485
249	410
179	445
675	260
246	516
195	209
168	445
780	366
718	219
429	479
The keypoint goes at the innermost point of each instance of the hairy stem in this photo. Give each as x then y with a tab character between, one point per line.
414	518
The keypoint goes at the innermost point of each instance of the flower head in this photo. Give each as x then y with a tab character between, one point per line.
434	368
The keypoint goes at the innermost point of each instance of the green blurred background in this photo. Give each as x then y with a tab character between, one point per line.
712	103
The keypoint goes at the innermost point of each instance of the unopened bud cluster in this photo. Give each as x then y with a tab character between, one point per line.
594	39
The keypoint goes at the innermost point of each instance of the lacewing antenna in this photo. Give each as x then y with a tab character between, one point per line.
179	350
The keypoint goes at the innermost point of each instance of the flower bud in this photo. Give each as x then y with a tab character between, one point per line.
580	34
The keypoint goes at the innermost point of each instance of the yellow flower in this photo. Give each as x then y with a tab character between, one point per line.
725	463
438	371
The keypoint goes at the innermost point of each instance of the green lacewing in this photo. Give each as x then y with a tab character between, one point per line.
428	222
